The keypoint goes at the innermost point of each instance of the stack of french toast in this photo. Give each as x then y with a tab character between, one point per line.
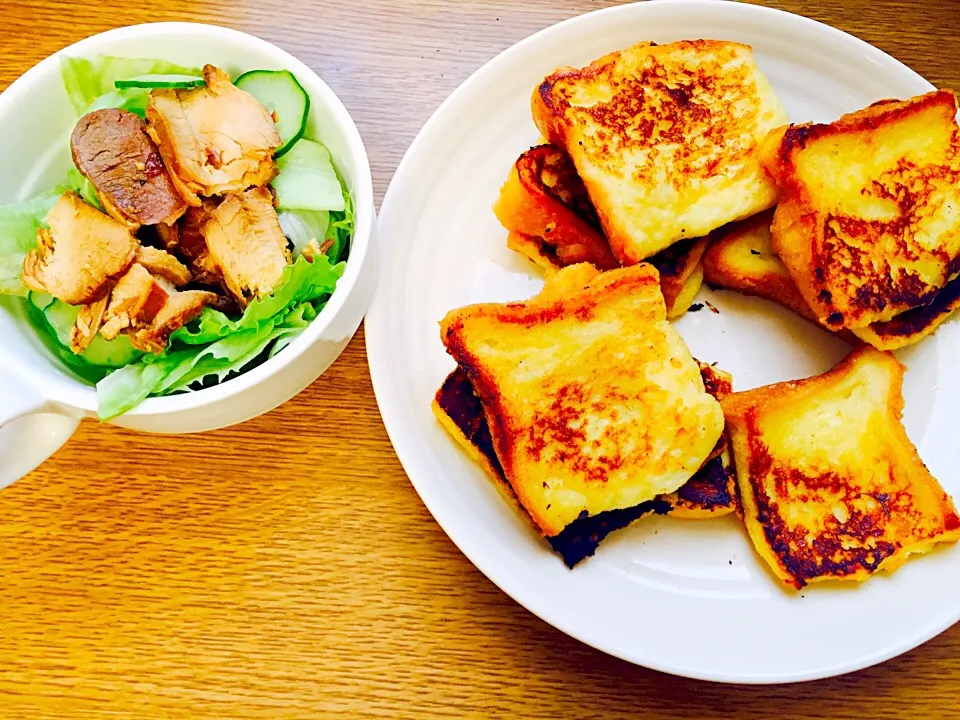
665	166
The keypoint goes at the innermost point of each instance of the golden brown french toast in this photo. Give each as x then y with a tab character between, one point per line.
544	198
868	226
592	398
910	326
545	207
831	486
681	274
711	492
665	139
740	257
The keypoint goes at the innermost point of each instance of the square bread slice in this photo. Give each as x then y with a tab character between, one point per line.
869	220
711	492
545	207
544	202
593	400
740	257
665	138
831	486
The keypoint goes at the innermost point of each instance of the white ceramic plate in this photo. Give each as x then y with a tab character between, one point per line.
689	598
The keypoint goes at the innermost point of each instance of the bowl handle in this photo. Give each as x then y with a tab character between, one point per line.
32	427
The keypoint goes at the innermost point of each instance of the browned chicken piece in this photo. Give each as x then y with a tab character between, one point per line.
80	254
112	150
313	249
180	308
247	245
163	264
169	235
135	300
88	322
192	246
214	140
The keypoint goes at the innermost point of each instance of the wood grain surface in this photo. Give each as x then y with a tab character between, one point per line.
285	568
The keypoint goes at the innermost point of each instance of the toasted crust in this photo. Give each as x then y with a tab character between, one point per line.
711	492
545	206
867	225
544	198
535	250
740	257
832	487
665	139
910	326
681	274
680	267
461	413
614	412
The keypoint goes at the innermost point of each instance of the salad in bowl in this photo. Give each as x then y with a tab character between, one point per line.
199	231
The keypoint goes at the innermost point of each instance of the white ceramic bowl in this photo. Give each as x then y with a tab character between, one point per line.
40	403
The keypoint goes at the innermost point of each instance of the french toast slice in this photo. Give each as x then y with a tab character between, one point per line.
665	138
868	225
681	274
740	257
545	207
910	326
460	412
592	398
831	486
711	492
544	198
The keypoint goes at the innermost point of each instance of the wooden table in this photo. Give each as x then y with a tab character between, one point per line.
285	568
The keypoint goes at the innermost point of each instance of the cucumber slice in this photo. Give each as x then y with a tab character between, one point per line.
111	353
306	179
282	94
85	79
61	318
160	81
108	353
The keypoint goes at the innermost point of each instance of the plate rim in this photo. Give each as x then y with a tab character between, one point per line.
389	416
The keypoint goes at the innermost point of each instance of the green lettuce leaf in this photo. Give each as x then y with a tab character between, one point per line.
340	230
307	180
19	223
127	387
214	347
302	281
134	100
83	187
86	79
